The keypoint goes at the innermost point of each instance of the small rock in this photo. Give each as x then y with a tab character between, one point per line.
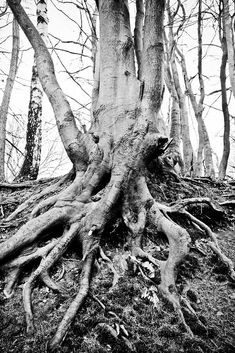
219	313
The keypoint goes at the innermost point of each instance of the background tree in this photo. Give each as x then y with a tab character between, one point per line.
226	135
7	95
30	167
229	35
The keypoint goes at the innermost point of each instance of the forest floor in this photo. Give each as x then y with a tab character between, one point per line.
129	317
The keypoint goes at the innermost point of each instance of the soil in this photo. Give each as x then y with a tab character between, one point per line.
132	316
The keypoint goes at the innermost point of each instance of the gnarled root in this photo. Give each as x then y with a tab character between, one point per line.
178	239
15	266
36	197
77	302
31	231
213	244
45	265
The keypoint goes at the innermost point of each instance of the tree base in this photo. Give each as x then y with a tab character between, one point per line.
129	281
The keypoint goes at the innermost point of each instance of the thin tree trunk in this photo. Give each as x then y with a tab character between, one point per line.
73	140
138	34
230	43
175	129
96	64
226	136
7	95
204	141
31	163
184	131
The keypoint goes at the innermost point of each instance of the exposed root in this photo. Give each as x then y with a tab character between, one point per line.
77	302
11	281
203	226
228	262
50	283
110	265
138	252
67	194
36	197
24	259
228	203
214	244
30	232
45	265
50	201
83	210
194	200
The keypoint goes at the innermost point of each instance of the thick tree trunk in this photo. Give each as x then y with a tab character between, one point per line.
30	166
151	92
111	172
7	95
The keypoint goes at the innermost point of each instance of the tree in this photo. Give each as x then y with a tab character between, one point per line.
30	167
204	142
230	42
7	95
226	135
110	163
178	97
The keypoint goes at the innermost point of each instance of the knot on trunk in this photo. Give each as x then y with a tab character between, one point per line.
153	146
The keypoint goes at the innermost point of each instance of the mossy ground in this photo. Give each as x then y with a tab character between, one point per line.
140	323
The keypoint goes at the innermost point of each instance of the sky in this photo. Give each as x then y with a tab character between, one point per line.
62	27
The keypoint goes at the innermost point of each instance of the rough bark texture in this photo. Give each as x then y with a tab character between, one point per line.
226	135
30	167
138	33
111	171
7	95
70	135
230	43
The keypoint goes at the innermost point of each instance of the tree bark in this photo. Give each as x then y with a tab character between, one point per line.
138	33
204	142
7	95
230	43
111	173
72	138
31	163
152	62
226	135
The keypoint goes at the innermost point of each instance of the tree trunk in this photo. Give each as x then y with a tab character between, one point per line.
230	43
226	135
31	163
111	169
187	163
173	154
138	33
7	95
204	142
